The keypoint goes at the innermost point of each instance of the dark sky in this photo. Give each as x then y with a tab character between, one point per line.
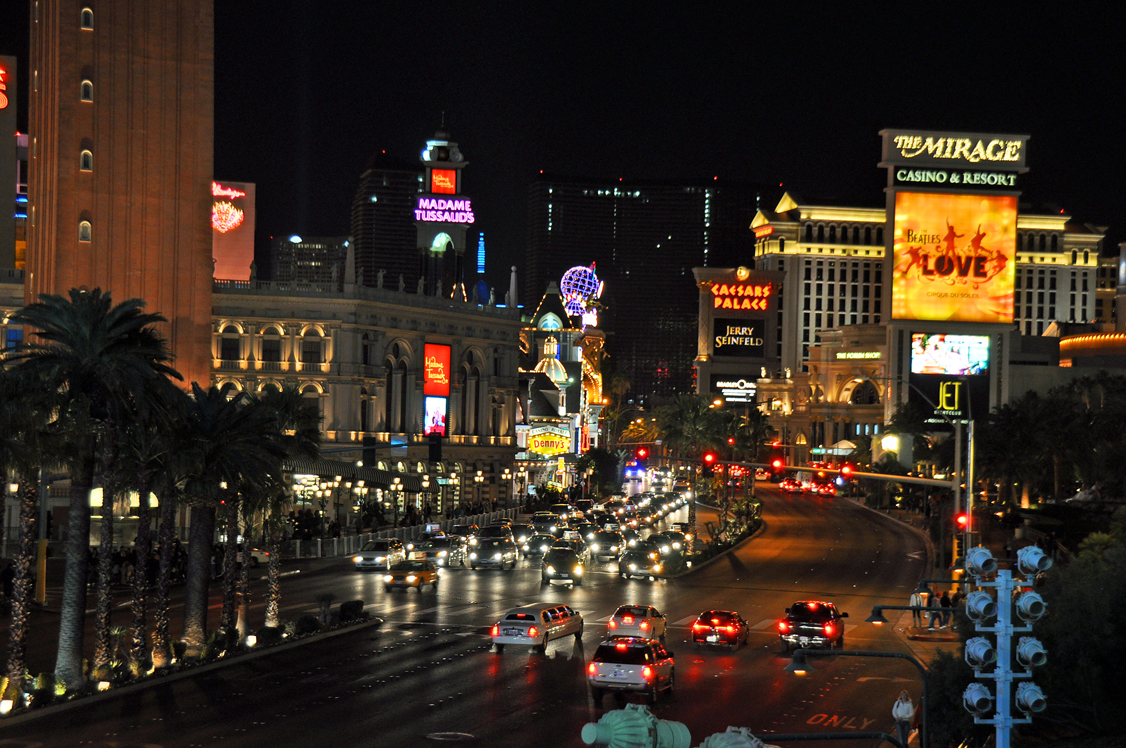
305	93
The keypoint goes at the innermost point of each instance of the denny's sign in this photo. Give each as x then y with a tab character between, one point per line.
549	440
749	296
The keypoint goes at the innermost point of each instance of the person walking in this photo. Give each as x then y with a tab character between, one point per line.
903	711
932	604
946	615
916	601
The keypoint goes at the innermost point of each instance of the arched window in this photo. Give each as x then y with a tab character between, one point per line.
365	411
87	19
85	231
312	347
86	91
1055	242
311	392
782	245
1043	243
879	235
86	161
229	344
809	232
271	346
865	394
867	234
832	234
821	233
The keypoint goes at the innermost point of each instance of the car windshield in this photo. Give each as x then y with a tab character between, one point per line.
632	610
560	556
494	531
462	529
377	545
620	653
490	543
409	566
437	543
520	617
810	611
717	617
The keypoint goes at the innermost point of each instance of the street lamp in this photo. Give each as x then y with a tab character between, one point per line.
507	476
478	479
396	484
799	665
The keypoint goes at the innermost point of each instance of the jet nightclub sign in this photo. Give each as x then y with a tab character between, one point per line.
441	210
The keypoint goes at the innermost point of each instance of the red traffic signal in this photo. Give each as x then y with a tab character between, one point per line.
777	463
642	453
846	471
963	520
709	458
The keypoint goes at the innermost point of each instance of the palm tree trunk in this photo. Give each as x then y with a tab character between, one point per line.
104	601
21	587
72	614
230	554
242	595
138	651
162	638
199	574
273	580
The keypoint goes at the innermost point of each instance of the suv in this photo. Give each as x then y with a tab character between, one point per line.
498	552
536	625
606	544
547	522
561	562
631	663
500	532
812	623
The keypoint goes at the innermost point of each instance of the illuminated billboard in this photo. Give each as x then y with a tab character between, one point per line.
436	370
441	210
738	337
954	257
443	181
434	416
949	354
232	229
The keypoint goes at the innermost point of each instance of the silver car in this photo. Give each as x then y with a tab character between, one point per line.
537	624
381	553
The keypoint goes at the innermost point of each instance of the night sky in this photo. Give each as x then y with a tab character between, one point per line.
306	93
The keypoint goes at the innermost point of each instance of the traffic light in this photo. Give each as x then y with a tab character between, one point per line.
708	461
846	471
639	457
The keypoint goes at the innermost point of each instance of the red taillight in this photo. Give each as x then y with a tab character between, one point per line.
533	632
829	629
783	626
731	629
697	626
644	625
647	673
592	669
628	620
621	647
495	631
612	624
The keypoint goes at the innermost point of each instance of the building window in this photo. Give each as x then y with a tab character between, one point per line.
311	348
13	337
85	231
271	349
87	21
86	91
86	161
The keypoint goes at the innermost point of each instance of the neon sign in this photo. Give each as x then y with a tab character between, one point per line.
436	370
443	181
3	88
752	296
549	440
218	190
440	210
225	217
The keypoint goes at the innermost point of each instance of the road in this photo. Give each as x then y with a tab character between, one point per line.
428	674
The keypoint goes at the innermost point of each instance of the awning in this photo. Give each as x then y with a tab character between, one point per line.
350	471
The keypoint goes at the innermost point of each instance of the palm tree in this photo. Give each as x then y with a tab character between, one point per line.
691	426
233	453
103	360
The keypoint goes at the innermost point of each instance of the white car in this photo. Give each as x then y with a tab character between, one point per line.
630	663
537	624
643	621
381	553
257	557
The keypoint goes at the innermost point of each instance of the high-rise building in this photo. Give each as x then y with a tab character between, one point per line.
311	259
120	162
383	229
644	237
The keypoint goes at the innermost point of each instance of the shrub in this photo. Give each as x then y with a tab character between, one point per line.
308	624
352	610
268	635
179	649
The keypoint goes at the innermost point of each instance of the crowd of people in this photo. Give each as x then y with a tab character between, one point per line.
125	563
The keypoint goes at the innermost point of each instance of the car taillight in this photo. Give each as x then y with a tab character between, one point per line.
592	669
627	620
612	624
532	632
829	629
697	626
647	673
783	626
731	629
495	631
644	626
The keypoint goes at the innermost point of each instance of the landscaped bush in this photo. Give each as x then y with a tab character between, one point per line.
268	635
352	610
308	624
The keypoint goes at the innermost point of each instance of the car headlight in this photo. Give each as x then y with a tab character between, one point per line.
553	529
473	541
442	554
656	567
633	567
525	546
389	579
357	559
411	578
380	559
543	549
496	557
473	555
676	546
613	549
594	547
410	546
578	571
550	569
664	549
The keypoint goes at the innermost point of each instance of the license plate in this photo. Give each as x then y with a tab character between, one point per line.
804	640
618	673
512	632
713	637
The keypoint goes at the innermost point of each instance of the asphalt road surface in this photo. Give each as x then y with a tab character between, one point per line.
428	674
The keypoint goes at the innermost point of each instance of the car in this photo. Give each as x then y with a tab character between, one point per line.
443	550
720	627
585	530
684	528
561	563
381	553
668	542
642	560
521	531
606	544
790	485
411	574
422	537
257	557
464	531
584	506
631	663
538	545
547	522
826	489
762	474
631	537
565	511
501	532
637	620
535	625
812	623
493	552
580	547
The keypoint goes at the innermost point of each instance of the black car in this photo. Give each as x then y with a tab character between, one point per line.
493	552
720	627
607	544
562	564
538	544
521	532
643	560
812	623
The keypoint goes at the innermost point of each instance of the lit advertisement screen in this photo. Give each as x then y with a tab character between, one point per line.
434	420
443	181
949	354
232	229
436	370
955	257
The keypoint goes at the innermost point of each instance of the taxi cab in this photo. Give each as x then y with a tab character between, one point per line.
411	574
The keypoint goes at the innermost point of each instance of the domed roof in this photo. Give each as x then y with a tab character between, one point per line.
553	368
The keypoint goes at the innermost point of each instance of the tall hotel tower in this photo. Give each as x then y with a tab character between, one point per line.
120	159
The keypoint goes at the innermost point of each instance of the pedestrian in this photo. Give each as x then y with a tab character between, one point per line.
902	711
949	614
916	602
932	604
